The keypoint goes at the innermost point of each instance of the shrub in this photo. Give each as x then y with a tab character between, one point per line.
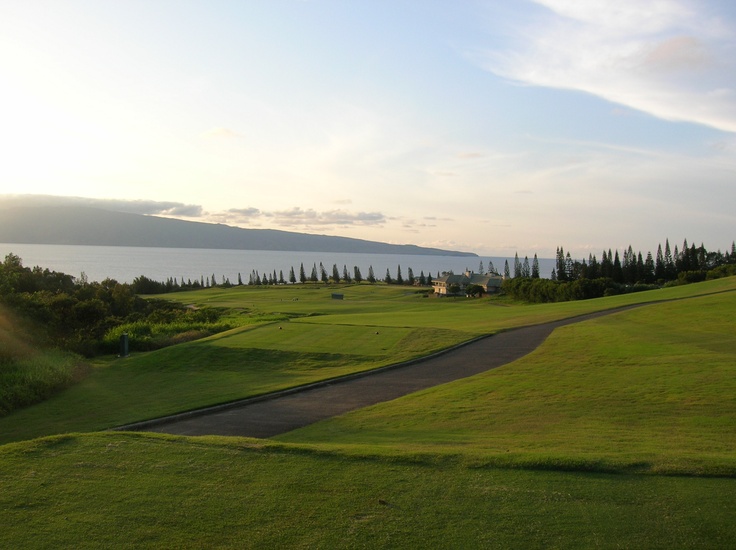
28	380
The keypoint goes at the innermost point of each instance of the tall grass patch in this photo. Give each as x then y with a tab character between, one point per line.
148	336
35	377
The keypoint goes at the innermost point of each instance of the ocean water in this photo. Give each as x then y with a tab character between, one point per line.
126	263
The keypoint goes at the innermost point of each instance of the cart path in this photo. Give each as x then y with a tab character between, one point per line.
282	412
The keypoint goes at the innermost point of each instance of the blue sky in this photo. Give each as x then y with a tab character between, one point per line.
495	127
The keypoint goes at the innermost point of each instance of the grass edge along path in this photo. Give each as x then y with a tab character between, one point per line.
649	389
284	411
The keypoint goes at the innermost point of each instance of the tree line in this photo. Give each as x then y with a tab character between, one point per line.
317	274
617	273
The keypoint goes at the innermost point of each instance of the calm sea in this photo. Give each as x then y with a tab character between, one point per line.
126	263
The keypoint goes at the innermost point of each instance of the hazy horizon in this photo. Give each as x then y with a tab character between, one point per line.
492	127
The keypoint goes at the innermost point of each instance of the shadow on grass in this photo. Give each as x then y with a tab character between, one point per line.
204	357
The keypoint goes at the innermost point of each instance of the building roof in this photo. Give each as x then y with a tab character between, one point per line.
470	278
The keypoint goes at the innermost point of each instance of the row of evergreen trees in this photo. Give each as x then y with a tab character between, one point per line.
631	268
145	285
614	274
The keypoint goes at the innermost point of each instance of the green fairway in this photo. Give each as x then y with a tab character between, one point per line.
648	389
134	491
320	338
617	432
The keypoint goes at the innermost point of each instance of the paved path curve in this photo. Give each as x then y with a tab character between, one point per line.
285	411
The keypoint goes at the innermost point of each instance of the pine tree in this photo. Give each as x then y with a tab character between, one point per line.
639	278
281	277
371	276
302	274
388	279
481	268
535	267
292	277
618	274
345	274
410	277
569	268
670	271
492	268
313	276
526	271
356	274
607	264
659	270
594	268
517	266
648	274
399	278
506	273
560	264
422	278
629	267
335	274
323	273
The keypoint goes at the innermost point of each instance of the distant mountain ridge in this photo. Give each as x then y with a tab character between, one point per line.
83	225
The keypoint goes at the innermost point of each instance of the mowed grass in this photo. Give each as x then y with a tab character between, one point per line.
241	363
382	305
117	490
650	389
325	338
561	449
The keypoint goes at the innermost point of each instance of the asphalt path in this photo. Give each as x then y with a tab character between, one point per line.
282	412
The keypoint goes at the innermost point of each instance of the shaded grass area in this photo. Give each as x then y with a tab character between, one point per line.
119	490
240	363
649	389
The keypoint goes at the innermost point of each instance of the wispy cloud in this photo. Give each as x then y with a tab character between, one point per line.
297	217
667	58
145	207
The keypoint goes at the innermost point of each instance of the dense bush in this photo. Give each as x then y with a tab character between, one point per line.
83	317
28	380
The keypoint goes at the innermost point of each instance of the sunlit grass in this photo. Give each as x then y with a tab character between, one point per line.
546	452
648	389
257	359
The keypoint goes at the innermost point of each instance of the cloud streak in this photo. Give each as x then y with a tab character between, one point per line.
304	218
145	207
664	58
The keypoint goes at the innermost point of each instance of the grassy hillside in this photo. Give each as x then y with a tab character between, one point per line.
565	448
648	389
118	490
320	338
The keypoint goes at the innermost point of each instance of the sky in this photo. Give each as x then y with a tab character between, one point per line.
496	127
